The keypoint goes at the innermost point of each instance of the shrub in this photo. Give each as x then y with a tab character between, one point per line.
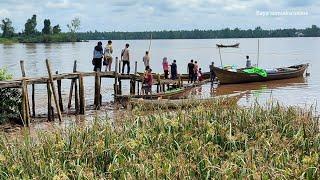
10	100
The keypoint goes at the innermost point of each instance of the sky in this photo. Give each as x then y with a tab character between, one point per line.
149	15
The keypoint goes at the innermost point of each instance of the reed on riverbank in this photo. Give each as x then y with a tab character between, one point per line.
209	141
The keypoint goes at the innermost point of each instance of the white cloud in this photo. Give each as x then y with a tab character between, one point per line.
4	13
142	15
65	4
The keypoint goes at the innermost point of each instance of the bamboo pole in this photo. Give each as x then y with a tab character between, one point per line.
81	94
59	93
72	84
220	59
53	90
258	58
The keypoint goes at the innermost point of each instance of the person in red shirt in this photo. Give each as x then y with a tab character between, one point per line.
149	81
200	77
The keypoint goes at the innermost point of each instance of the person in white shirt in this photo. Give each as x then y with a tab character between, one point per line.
146	60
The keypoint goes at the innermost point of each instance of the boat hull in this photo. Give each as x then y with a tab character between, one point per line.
229	77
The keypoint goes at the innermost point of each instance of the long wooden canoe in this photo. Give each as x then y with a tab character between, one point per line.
230	77
172	94
184	77
228	46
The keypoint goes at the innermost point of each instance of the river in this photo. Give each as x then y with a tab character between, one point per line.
274	52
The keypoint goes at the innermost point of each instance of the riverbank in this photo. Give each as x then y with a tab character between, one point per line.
209	141
8	40
54	38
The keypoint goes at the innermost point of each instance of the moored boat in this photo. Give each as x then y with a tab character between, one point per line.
239	76
177	93
228	46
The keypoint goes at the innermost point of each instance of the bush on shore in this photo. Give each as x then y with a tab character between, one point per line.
10	101
211	141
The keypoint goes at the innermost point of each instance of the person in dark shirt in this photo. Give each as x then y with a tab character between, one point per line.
191	71
174	72
212	73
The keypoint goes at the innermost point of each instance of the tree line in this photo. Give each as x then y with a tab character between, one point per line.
54	34
258	32
47	34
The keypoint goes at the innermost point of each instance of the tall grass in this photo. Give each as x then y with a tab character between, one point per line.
210	141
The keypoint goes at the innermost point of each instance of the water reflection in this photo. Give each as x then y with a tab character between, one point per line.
258	88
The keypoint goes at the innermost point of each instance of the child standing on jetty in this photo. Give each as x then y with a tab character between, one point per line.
165	65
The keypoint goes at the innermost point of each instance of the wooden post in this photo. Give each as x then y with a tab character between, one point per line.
159	82
97	90
53	90
33	101
138	88
59	93
49	102
72	84
81	94
25	105
23	72
120	87
116	76
135	79
76	96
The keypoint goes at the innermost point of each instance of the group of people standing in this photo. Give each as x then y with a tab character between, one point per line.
104	57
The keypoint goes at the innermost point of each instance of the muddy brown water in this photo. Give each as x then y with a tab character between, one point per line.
274	52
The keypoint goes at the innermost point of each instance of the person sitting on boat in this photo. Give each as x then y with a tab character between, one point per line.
212	73
144	82
165	65
200	77
149	81
196	71
146	59
248	63
174	71
191	71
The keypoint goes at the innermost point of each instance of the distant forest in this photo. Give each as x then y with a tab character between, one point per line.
258	32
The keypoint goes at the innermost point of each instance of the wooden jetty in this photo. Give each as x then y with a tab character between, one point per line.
77	90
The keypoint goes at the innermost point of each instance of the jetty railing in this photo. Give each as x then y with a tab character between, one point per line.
77	90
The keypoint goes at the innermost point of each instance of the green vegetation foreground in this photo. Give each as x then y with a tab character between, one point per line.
209	141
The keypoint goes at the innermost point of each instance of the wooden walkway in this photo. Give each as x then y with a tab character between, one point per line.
77	91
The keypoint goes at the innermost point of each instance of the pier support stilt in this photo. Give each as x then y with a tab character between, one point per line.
97	91
72	85
59	93
81	95
25	104
49	94
53	90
